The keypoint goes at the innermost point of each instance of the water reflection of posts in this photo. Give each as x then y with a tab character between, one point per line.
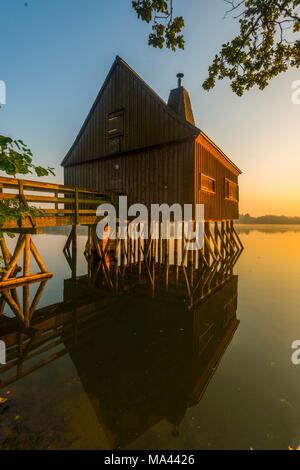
70	251
165	262
169	360
155	347
24	310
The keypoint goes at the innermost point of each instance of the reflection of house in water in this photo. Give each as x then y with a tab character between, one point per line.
139	359
154	361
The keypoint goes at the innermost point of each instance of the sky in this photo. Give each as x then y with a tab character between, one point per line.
55	55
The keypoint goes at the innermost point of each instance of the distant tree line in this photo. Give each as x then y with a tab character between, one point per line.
269	219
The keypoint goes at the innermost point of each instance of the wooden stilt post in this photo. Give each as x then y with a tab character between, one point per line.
139	258
206	248
15	257
122	267
167	266
74	251
37	298
26	289
5	251
88	247
117	255
216	234
26	305
224	250
153	268
26	258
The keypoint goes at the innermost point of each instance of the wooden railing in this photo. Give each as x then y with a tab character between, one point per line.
53	200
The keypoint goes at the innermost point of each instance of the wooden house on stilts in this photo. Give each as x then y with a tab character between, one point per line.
134	143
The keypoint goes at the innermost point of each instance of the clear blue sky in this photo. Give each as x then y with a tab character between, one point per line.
55	55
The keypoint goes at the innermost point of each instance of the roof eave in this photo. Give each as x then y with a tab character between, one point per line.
221	152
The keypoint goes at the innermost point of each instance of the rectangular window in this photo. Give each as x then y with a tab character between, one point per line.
231	190
116	124
208	184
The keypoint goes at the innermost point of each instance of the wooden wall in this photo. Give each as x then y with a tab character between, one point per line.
210	162
163	174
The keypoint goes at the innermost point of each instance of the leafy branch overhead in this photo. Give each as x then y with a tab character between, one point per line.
166	29
16	157
268	42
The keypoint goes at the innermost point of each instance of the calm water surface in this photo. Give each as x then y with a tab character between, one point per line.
146	373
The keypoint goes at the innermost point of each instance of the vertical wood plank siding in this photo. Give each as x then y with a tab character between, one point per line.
150	176
147	122
217	207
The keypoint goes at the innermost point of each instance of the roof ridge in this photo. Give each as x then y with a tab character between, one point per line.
156	95
121	61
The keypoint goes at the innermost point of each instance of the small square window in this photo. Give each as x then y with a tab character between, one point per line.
208	184
231	190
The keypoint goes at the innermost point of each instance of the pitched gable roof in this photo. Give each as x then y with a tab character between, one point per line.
181	128
122	80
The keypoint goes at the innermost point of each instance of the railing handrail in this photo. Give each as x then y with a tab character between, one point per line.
31	185
69	203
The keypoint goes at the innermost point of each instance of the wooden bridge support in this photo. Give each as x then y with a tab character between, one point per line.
164	264
24	247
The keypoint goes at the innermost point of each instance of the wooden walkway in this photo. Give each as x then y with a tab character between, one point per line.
56	205
52	205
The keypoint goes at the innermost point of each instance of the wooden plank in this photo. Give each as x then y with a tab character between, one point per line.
26	304
37	298
50	221
52	199
32	198
19	247
13	183
92	201
76	206
26	267
5	251
37	257
69	212
13	305
58	211
74	251
19	281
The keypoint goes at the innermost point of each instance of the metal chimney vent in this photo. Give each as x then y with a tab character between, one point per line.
180	77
